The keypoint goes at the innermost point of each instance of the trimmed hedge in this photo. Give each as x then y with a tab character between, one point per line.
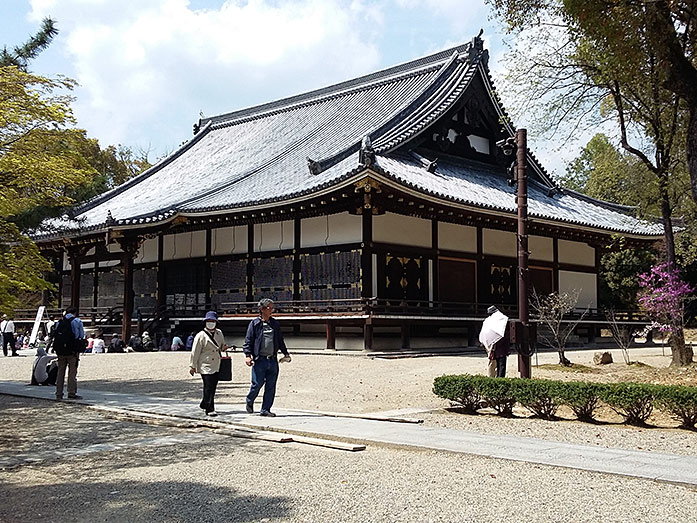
498	394
582	397
633	401
460	389
680	402
541	397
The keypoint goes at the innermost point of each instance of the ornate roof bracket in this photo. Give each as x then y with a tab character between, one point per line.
314	166
130	245
366	154
477	48
368	187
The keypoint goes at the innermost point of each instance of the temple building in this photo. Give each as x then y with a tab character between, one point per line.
377	213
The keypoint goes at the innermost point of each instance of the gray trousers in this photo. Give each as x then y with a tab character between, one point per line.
71	362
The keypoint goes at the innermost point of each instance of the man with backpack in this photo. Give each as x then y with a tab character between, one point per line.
68	342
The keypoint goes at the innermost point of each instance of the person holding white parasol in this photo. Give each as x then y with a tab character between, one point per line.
495	336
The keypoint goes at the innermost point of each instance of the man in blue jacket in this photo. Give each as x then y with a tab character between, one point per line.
261	345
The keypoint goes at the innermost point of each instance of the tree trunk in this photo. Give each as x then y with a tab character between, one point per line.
691	147
682	353
666	214
563	360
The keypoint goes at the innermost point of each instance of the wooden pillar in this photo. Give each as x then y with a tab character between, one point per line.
406	335
161	275
555	264
250	262
434	247
130	250
367	255
75	255
331	335
296	258
95	285
368	335
481	278
207	268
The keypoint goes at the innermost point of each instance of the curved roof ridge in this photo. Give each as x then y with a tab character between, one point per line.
390	74
508	125
610	205
90	204
427	91
450	94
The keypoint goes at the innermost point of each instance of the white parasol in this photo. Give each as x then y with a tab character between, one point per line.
493	329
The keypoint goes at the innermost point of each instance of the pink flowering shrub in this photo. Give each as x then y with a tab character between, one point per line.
662	296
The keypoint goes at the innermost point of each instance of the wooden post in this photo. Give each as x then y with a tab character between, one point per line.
331	335
161	275
406	335
367	255
74	255
130	250
250	262
368	335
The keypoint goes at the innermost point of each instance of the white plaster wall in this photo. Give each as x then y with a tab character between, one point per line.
229	240
114	247
541	248
184	245
577	253
84	266
454	237
147	253
273	236
343	228
402	230
66	262
499	243
479	143
110	263
570	281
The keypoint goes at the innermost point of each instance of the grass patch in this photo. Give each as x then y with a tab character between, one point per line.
640	364
574	368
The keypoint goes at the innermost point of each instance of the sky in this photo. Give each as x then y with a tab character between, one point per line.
148	69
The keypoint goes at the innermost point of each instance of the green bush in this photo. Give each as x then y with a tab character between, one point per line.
633	401
459	389
581	397
680	402
538	396
498	393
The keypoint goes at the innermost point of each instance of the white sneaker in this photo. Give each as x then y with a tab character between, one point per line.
212	414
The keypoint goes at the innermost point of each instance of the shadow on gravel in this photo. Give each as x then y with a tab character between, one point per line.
39	428
172	501
178	389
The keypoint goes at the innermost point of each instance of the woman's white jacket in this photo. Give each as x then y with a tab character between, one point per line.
205	356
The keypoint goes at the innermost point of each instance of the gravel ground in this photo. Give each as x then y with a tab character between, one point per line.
149	475
230	479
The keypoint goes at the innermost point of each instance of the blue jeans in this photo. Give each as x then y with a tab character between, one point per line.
264	374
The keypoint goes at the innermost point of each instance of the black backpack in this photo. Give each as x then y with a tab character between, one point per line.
64	341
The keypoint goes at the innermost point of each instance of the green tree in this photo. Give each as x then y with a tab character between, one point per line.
21	54
619	267
624	30
39	167
590	61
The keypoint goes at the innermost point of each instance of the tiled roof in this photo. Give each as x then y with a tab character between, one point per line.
481	186
260	155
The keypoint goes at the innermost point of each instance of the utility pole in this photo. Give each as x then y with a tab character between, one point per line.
523	298
518	175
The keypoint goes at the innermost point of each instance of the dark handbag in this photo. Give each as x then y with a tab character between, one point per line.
225	372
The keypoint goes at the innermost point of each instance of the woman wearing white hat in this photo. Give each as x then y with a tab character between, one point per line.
205	359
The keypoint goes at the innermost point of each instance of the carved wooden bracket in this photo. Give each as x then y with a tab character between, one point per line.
131	245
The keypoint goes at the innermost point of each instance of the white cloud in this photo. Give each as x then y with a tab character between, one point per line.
162	61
